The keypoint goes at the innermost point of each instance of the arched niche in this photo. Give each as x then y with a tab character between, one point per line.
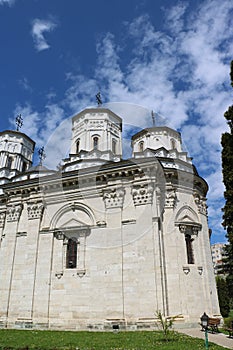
73	215
186	215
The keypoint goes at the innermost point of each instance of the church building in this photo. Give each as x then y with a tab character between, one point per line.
103	242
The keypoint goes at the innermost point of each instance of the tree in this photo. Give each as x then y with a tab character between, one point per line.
227	168
223	296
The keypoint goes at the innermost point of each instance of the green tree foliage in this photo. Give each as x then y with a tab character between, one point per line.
227	168
223	296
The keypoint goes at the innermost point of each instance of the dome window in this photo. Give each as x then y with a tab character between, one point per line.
173	144
141	146
95	142
114	146
77	146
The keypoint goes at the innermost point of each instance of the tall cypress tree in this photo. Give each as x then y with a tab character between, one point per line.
227	168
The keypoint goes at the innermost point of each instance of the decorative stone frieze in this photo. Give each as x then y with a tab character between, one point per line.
171	198
13	212
114	198
189	229
2	218
201	204
34	210
142	194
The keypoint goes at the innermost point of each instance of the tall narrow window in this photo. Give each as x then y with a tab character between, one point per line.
24	167
71	254
141	146
9	162
95	142
173	144
77	146
189	249
114	146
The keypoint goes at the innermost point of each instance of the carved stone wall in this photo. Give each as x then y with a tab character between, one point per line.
13	212
34	210
114	198
171	198
189	229
2	218
142	194
201	204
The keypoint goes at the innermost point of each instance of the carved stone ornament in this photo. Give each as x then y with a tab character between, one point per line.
81	272
34	210
13	212
142	194
189	229
2	218
59	235
201	204
59	274
114	198
170	198
186	269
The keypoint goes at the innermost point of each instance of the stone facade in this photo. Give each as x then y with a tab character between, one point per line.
107	243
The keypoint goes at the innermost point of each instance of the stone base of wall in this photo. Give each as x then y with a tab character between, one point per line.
96	325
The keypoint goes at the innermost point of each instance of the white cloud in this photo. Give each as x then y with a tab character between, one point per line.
7	2
39	27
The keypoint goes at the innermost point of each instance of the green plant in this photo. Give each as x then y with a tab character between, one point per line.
165	324
228	322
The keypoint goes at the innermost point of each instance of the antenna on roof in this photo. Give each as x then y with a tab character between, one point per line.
98	99
153	117
42	155
18	122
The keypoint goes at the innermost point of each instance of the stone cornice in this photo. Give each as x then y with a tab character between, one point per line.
126	169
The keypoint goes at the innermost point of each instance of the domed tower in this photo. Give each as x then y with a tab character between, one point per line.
96	138
16	152
160	141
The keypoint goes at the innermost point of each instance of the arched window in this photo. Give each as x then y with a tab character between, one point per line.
95	142
189	248
141	146
77	146
114	146
173	144
9	162
71	254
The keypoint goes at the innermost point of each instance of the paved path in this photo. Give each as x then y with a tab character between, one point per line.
217	338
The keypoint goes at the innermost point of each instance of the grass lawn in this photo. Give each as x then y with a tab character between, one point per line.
31	339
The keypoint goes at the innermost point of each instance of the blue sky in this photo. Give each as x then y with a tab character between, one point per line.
169	56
